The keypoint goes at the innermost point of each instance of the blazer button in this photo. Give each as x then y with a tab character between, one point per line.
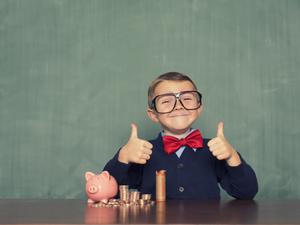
180	165
181	189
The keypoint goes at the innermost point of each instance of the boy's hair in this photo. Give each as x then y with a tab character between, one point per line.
173	76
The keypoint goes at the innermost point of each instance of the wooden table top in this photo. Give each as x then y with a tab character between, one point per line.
171	212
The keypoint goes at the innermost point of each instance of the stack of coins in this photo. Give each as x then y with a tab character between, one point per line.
134	196
161	185
146	197
124	193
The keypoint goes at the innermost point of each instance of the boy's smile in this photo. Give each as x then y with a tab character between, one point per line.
179	120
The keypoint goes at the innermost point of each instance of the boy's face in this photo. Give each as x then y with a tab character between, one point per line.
179	120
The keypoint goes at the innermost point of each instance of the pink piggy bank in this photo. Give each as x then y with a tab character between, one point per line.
100	187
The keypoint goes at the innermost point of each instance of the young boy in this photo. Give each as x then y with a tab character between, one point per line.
194	166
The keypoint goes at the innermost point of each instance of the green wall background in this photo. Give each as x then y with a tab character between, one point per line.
74	75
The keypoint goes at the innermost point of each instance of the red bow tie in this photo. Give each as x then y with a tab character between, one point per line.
172	144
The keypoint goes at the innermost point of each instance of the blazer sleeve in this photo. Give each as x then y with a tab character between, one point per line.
125	174
240	181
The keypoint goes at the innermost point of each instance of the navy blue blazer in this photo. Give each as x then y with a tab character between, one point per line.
195	175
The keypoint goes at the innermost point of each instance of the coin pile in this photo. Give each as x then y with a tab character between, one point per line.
128	197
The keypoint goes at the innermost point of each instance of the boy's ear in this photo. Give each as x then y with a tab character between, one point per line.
200	110
152	115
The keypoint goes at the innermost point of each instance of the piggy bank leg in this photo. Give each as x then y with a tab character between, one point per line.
104	201
90	201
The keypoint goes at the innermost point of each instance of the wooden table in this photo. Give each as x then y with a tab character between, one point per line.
171	212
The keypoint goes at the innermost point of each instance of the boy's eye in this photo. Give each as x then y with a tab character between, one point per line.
187	99
165	102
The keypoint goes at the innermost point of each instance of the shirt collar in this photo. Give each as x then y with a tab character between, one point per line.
183	135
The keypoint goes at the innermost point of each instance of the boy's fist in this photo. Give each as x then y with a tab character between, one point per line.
222	149
136	150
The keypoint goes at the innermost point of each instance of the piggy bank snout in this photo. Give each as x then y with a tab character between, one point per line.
92	189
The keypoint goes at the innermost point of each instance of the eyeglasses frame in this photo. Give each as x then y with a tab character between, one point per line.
177	96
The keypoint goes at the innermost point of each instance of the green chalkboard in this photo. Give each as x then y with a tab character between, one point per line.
74	74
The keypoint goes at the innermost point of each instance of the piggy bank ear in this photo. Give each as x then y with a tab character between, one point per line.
105	174
88	175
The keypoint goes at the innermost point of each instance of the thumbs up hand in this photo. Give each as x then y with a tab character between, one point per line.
222	149
136	150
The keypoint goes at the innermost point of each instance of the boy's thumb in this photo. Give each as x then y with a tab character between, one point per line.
220	131
134	131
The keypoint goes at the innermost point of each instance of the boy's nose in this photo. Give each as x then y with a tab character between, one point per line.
178	104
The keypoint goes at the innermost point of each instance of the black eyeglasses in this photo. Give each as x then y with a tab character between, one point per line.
166	103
